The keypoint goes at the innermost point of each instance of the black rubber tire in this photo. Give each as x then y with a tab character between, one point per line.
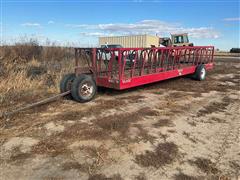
65	84
77	84
198	73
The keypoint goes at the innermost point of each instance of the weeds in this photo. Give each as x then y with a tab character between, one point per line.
18	157
141	176
192	123
103	177
215	107
188	136
121	123
73	165
51	146
182	176
164	153
26	72
163	122
205	165
96	156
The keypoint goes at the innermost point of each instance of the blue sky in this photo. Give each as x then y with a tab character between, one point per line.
208	22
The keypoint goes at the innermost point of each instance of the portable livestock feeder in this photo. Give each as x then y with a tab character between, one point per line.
122	68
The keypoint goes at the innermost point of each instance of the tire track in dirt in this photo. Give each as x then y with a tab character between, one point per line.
216	146
230	141
225	140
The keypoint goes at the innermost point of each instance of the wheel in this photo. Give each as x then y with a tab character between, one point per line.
200	73
66	82
83	88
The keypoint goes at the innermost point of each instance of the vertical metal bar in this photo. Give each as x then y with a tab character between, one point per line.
212	54
184	57
153	60
178	59
170	54
143	64
110	64
94	62
100	62
208	55
134	64
189	55
162	59
158	60
200	56
196	56
205	55
201	53
123	66
120	65
174	59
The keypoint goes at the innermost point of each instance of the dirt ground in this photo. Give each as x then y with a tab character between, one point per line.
176	129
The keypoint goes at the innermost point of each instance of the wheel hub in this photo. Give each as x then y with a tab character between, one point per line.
203	73
86	89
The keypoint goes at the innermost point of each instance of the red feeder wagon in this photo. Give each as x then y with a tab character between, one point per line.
122	68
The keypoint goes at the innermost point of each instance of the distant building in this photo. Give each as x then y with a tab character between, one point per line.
132	41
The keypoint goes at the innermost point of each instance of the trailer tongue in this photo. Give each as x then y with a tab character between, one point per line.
122	68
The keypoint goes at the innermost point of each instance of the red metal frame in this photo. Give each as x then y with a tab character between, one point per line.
122	68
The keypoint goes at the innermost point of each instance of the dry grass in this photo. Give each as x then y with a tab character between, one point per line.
218	120
96	156
103	177
100	107
143	135
18	157
165	153
52	146
205	165
133	99
121	123
192	123
83	131
219	53
163	136
29	71
182	176
163	122
75	165
141	176
102	127
188	136
171	130
215	107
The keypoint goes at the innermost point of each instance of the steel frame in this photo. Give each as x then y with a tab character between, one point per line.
122	68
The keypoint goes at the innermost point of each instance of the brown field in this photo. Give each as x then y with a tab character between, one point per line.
177	129
226	54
